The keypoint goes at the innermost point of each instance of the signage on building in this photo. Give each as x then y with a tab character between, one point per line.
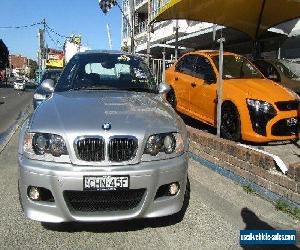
55	59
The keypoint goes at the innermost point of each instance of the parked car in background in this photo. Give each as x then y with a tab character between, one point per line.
19	84
106	146
285	72
253	108
40	94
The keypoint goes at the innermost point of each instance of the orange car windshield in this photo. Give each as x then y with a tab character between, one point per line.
237	67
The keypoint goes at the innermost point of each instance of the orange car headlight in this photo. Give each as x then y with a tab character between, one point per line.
261	113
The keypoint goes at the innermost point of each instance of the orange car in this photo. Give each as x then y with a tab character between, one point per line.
253	108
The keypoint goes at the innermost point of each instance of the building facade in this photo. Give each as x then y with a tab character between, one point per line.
19	65
199	35
137	15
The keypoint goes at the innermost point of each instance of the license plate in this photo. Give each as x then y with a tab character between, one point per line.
105	182
292	122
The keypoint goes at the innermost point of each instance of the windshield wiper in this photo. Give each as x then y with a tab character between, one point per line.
92	88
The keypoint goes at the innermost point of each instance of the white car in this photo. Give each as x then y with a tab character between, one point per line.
19	84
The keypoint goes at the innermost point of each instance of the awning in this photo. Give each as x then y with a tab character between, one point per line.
250	16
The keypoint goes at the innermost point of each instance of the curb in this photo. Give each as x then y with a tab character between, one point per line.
261	191
14	127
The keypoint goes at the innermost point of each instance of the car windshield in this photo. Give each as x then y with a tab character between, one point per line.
237	67
289	69
103	71
54	75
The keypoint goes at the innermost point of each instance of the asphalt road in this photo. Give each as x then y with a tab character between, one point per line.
217	210
12	103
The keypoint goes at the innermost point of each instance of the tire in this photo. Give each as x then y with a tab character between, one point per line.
171	98
230	122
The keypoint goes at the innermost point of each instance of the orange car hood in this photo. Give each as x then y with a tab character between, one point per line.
260	89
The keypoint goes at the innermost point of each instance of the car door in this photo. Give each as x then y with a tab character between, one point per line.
183	78
203	91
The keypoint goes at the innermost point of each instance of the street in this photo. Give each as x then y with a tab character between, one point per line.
217	210
12	103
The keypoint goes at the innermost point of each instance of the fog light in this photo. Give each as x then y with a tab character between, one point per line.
34	193
174	188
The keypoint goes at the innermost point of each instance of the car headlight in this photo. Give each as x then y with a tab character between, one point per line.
261	106
38	96
167	143
261	113
42	144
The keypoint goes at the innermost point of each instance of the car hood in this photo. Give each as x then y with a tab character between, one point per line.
261	89
84	113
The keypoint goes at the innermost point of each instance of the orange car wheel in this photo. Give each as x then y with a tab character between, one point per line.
230	122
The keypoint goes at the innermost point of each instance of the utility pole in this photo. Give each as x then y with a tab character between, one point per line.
44	52
149	33
41	52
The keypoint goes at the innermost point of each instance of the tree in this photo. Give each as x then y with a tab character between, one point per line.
33	67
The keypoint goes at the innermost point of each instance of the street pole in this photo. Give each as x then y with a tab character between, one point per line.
220	87
132	27
164	66
43	45
109	37
176	40
149	33
41	51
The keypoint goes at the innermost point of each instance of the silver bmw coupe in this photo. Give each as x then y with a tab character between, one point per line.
105	146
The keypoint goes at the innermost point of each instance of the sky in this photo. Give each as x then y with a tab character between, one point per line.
66	17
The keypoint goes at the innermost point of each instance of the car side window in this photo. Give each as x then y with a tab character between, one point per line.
203	69
186	65
64	82
268	70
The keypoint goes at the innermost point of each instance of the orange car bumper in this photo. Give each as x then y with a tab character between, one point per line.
276	129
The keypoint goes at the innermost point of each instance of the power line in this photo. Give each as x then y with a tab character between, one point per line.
57	43
20	26
56	33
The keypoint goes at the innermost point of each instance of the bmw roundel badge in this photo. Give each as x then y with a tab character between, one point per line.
106	126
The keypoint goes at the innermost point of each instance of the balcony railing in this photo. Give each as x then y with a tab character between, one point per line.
157	5
141	27
138	2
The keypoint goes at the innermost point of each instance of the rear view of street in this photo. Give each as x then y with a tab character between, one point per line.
12	104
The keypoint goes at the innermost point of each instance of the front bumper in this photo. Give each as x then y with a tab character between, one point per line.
250	135
58	178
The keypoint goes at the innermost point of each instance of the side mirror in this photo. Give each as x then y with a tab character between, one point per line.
163	88
209	78
48	85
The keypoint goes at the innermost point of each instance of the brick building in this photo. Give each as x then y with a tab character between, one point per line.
18	62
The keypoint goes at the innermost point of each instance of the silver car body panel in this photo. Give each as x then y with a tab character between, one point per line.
76	114
60	177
